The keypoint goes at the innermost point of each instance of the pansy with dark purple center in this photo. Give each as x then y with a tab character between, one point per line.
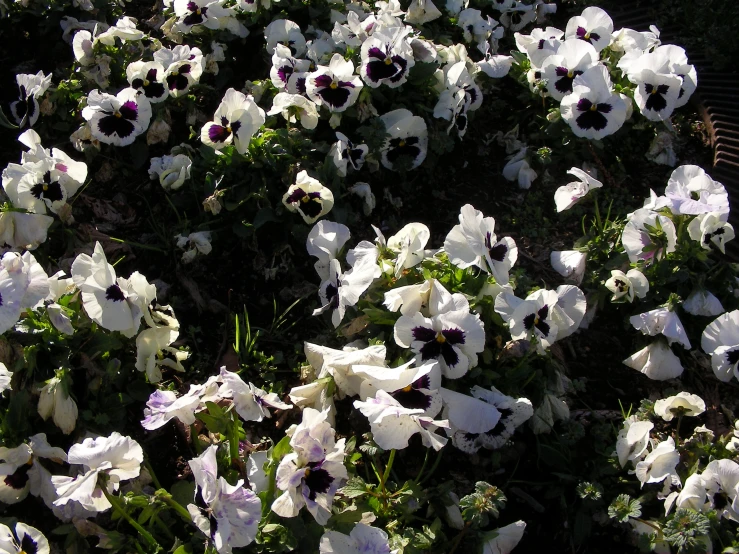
573	57
181	66
334	86
453	339
593	110
308	197
25	540
345	154
656	94
25	110
592	116
147	77
387	57
594	26
236	120
208	13
117	119
408	138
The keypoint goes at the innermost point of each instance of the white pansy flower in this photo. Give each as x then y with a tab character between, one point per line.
5	378
24	540
633	440
408	139
648	236
720	340
692	191
593	110
711	229
116	456
117	304
683	403
568	195
362	538
171	171
393	425
570	264
287	33
308	197
311	474
409	244
504	539
194	244
629	285
55	402
702	302
518	169
474	242
657	361
594	25
250	402
119	119
235	121
294	108
721	478
659	464
227	514
664	321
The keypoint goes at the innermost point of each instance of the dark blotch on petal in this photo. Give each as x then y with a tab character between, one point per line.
177	82
423	334
19	478
53	191
111	125
296	195
129	110
431	350
114	292
592	120
498	252
318	481
413	399
449	354
453	336
28	545
377	71
733	356
217	133
335	97
312	208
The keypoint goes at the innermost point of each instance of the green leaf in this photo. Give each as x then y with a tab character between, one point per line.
281	449
354	488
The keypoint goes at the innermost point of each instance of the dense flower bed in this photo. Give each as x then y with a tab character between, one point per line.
265	116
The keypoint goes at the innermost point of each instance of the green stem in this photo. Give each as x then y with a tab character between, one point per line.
138	245
163	528
597	214
165	497
459	537
150	469
433	467
115	502
388	467
423	466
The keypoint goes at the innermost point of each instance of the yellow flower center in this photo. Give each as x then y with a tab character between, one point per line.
307	472
118	114
388	61
146	83
407	389
45	187
160	354
198	11
536	320
570	74
594	107
228	128
654	91
401	143
441	339
305	199
333	86
587	36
